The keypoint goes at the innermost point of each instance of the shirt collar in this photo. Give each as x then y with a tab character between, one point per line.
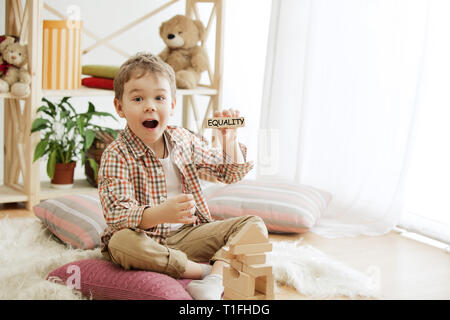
138	148
172	136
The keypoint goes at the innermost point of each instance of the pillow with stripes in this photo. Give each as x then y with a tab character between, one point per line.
284	207
76	220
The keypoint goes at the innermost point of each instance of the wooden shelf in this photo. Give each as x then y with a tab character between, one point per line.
10	96
82	92
88	92
79	186
91	92
10	194
205	91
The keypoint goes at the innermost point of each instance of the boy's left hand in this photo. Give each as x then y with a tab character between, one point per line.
228	133
229	136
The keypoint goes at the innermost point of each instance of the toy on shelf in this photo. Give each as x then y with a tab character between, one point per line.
248	277
61	54
5	40
14	76
181	35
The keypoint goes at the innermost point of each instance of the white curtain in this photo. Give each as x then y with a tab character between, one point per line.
339	102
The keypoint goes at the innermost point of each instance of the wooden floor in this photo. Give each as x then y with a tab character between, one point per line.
409	269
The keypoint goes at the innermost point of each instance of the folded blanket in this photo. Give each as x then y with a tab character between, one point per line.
102	71
96	82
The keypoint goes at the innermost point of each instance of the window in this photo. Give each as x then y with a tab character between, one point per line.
427	201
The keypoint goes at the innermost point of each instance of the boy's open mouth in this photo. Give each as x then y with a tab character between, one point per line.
151	124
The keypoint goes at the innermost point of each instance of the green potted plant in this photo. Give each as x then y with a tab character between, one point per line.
65	137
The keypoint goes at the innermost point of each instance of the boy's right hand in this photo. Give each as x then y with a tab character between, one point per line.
179	209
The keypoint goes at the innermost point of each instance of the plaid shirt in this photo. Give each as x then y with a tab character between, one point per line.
131	178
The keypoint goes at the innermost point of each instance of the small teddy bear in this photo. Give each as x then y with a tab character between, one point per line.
14	76
4	42
181	35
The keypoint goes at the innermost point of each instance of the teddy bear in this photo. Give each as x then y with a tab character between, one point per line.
181	35
5	41
14	76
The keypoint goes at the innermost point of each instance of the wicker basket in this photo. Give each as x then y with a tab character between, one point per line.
101	141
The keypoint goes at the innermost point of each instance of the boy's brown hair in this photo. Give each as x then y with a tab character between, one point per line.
139	65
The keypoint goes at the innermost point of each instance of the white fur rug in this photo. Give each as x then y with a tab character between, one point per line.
28	252
316	275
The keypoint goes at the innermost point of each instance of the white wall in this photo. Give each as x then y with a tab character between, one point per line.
246	26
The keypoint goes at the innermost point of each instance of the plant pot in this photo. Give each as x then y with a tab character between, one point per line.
63	178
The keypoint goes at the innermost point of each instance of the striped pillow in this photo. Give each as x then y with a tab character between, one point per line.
284	207
76	220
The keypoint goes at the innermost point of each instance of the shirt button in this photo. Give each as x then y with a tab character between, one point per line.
162	199
159	171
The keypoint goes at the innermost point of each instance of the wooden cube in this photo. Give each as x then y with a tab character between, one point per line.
227	253
250	234
252	258
238	281
237	265
250	248
257	270
230	294
265	285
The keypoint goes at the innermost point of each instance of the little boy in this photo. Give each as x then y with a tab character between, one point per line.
156	213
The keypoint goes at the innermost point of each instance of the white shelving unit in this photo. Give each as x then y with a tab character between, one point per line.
21	175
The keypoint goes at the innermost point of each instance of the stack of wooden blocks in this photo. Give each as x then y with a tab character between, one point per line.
248	277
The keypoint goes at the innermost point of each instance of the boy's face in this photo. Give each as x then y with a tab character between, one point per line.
147	105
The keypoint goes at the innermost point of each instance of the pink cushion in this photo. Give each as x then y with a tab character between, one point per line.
103	280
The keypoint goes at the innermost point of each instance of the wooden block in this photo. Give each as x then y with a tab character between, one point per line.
238	281
230	294
252	258
227	254
250	234
257	270
265	285
250	248
261	284
238	265
225	122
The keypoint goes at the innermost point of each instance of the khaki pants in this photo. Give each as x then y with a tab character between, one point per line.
136	250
